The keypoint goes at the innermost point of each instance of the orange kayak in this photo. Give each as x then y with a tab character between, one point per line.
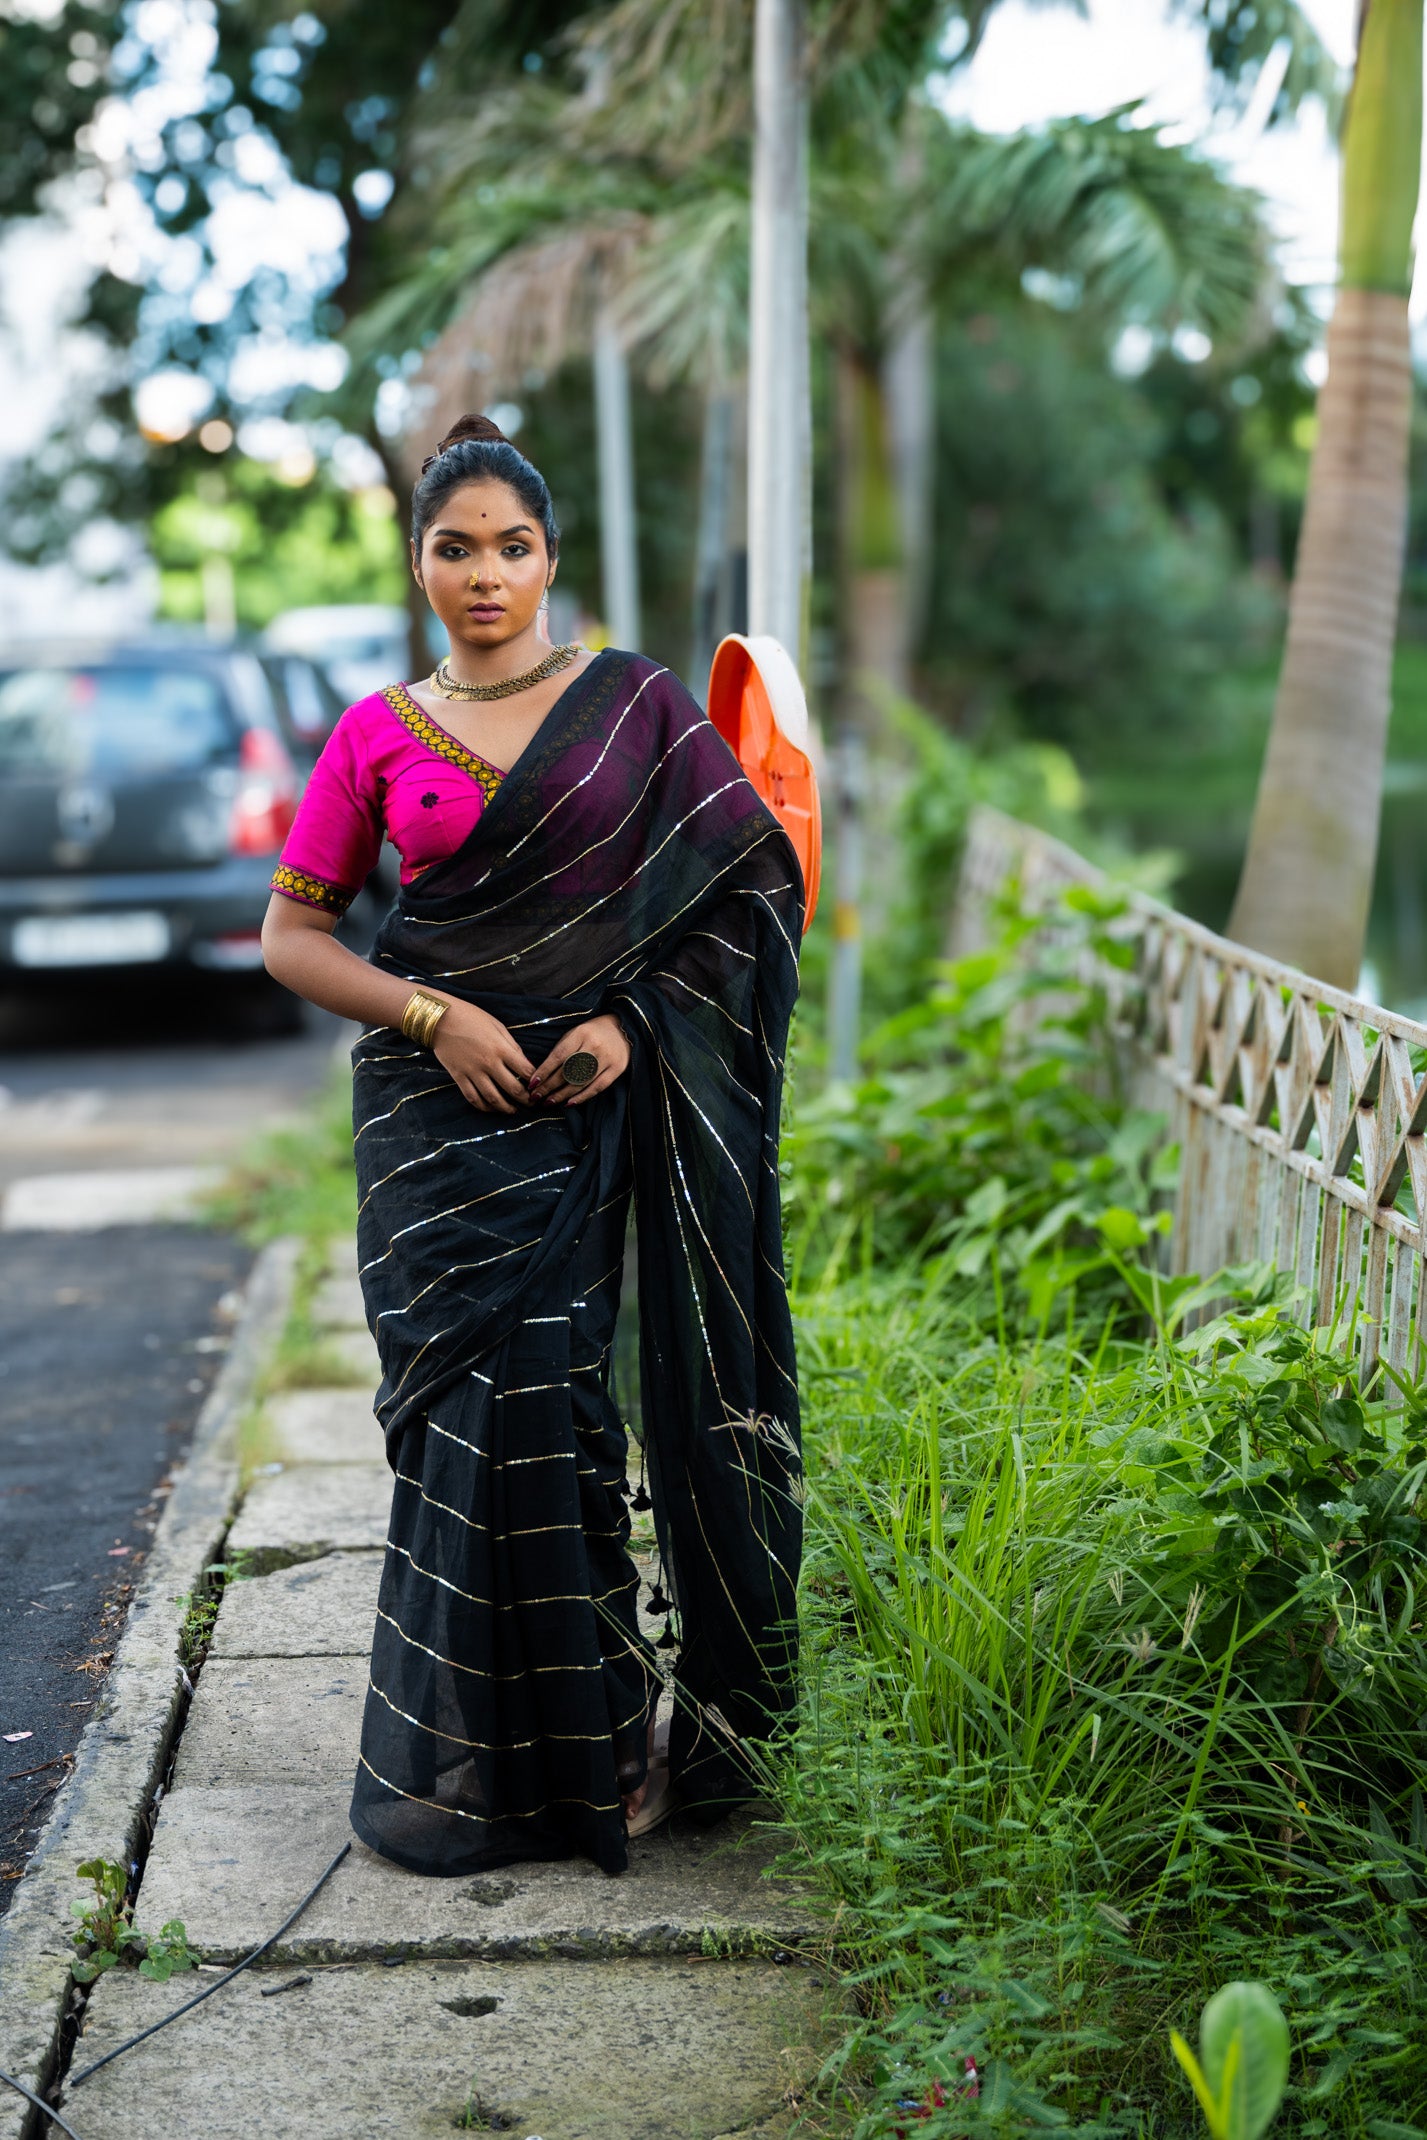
757	705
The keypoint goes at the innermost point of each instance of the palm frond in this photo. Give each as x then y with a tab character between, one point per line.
684	305
530	311
684	71
1243	37
684	68
1146	229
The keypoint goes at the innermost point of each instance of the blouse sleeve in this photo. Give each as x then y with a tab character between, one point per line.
337	833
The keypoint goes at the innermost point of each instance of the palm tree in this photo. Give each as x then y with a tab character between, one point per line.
899	203
1307	878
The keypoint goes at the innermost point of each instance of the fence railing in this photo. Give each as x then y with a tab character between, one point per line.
1299	1111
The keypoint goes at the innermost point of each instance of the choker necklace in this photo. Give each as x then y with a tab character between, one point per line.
558	658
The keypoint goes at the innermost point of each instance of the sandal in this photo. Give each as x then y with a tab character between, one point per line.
660	1800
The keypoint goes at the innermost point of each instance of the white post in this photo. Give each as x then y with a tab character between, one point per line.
779	419
619	552
711	551
844	994
909	384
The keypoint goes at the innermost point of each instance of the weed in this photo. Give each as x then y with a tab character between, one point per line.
106	1934
201	1607
478	2117
196	1632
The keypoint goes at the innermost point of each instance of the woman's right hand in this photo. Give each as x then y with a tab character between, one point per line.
487	1062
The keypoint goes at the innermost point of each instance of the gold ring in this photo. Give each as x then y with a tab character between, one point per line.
580	1068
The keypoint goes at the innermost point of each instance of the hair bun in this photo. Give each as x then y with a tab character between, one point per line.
473	427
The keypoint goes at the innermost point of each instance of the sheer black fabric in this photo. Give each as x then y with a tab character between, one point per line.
624	865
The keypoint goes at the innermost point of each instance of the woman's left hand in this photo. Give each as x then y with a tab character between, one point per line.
601	1037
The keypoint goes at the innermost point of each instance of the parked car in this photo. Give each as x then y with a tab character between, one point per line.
145	791
308	704
361	645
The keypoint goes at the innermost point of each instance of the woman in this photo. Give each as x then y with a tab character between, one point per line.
583	990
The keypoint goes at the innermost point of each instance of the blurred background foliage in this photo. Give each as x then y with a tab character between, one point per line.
1123	399
288	544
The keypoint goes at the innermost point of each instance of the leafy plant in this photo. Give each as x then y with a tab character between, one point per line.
107	1934
1115	1680
989	1131
1242	2072
201	1607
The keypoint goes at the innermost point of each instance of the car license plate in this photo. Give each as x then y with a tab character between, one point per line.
90	940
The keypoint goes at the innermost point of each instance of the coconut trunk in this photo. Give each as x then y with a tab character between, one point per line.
1307	880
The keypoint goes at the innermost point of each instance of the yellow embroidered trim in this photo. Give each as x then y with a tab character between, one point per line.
311	891
426	731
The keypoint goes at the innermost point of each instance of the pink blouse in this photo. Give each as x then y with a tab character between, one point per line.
386	767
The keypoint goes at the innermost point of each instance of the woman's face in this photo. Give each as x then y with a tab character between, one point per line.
483	565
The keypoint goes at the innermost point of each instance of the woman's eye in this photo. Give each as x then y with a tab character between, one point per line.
517	549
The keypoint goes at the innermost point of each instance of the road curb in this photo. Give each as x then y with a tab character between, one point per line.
126	1745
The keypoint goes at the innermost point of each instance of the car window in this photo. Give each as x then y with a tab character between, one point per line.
314	711
67	721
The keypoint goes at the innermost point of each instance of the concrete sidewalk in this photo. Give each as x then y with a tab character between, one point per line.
543	2000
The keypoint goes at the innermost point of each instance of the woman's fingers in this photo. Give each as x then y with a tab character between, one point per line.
495	1099
551	1065
576	1096
548	1083
507	1080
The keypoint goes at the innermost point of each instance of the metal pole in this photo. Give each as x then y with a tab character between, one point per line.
778	419
711	555
844	1006
618	547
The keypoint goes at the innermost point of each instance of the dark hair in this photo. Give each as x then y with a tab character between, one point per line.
475	450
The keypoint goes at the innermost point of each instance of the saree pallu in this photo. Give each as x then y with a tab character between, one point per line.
624	865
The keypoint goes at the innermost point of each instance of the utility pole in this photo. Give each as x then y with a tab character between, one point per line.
618	535
779	418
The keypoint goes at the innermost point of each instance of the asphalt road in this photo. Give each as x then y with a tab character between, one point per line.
108	1344
109	1339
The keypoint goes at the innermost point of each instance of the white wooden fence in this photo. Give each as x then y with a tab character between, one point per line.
1299	1111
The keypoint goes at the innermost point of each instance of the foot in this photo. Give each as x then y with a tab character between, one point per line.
658	1801
658	1764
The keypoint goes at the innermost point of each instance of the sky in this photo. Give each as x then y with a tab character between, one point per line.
1044	62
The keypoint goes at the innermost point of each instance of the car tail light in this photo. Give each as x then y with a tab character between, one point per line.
266	801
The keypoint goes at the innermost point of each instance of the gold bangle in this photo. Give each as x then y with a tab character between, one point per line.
421	1017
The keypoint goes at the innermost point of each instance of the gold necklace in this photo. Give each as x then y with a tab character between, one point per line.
558	658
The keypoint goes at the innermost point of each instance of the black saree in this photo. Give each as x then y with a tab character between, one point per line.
625	865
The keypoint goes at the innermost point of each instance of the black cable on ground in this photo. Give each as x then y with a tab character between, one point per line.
187	2008
39	2103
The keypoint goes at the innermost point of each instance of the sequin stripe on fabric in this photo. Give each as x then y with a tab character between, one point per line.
441	745
300	884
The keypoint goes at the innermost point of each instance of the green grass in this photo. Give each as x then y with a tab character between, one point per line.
1053	1767
298	1179
1116	1683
